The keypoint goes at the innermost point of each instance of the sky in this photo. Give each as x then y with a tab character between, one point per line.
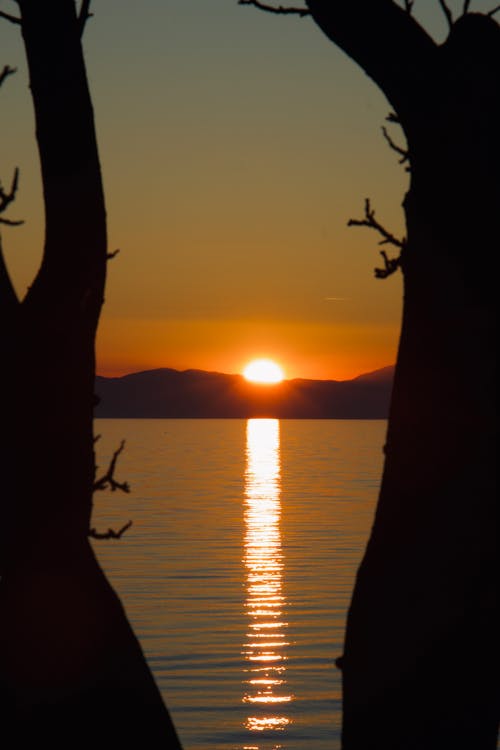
235	145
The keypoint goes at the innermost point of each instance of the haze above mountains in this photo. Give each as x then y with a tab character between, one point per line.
195	394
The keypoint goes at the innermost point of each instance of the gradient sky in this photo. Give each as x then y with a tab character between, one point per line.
235	145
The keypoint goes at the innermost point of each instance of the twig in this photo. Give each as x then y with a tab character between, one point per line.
466	7
393	117
84	15
8	17
7	71
409	6
371	222
390	264
113	254
108	479
492	12
302	12
447	12
404	153
110	533
7	198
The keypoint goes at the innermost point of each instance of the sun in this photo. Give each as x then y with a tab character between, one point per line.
263	371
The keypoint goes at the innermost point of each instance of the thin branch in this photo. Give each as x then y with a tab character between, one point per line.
302	12
393	117
110	533
108	479
11	222
7	198
492	12
447	12
371	222
466	7
6	72
404	153
112	255
409	6
390	264
8	17
84	15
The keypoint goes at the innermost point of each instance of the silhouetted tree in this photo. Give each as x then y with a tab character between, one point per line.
72	673
420	664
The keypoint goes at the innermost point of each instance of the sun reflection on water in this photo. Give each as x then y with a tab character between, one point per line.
265	649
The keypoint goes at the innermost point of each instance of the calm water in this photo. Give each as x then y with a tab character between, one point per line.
237	571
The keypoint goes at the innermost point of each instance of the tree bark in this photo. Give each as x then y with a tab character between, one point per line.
71	669
420	664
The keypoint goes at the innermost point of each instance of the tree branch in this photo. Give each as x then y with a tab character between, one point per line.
390	264
108	479
409	6
447	12
404	153
491	13
7	198
387	42
466	7
7	71
110	533
302	12
84	15
8	17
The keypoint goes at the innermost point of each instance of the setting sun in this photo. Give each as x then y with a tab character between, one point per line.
263	371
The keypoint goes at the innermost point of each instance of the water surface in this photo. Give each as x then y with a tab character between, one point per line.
237	571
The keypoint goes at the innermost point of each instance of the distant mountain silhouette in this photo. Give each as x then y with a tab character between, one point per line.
170	393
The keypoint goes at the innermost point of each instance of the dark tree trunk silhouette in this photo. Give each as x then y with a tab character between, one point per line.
72	672
420	666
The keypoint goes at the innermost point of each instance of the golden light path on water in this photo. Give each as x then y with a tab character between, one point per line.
266	644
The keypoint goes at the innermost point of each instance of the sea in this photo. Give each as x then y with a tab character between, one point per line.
237	571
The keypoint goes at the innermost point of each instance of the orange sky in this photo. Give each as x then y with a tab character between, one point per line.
235	145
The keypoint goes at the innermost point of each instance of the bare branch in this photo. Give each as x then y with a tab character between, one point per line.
409	6
492	12
11	222
393	117
371	222
7	71
108	479
84	15
466	7
8	17
390	264
110	533
447	12
109	256
7	198
302	12
404	153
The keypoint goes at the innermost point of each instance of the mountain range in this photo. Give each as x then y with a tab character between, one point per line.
167	393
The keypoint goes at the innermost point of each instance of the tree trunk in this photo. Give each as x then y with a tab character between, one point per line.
420	666
421	656
71	667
